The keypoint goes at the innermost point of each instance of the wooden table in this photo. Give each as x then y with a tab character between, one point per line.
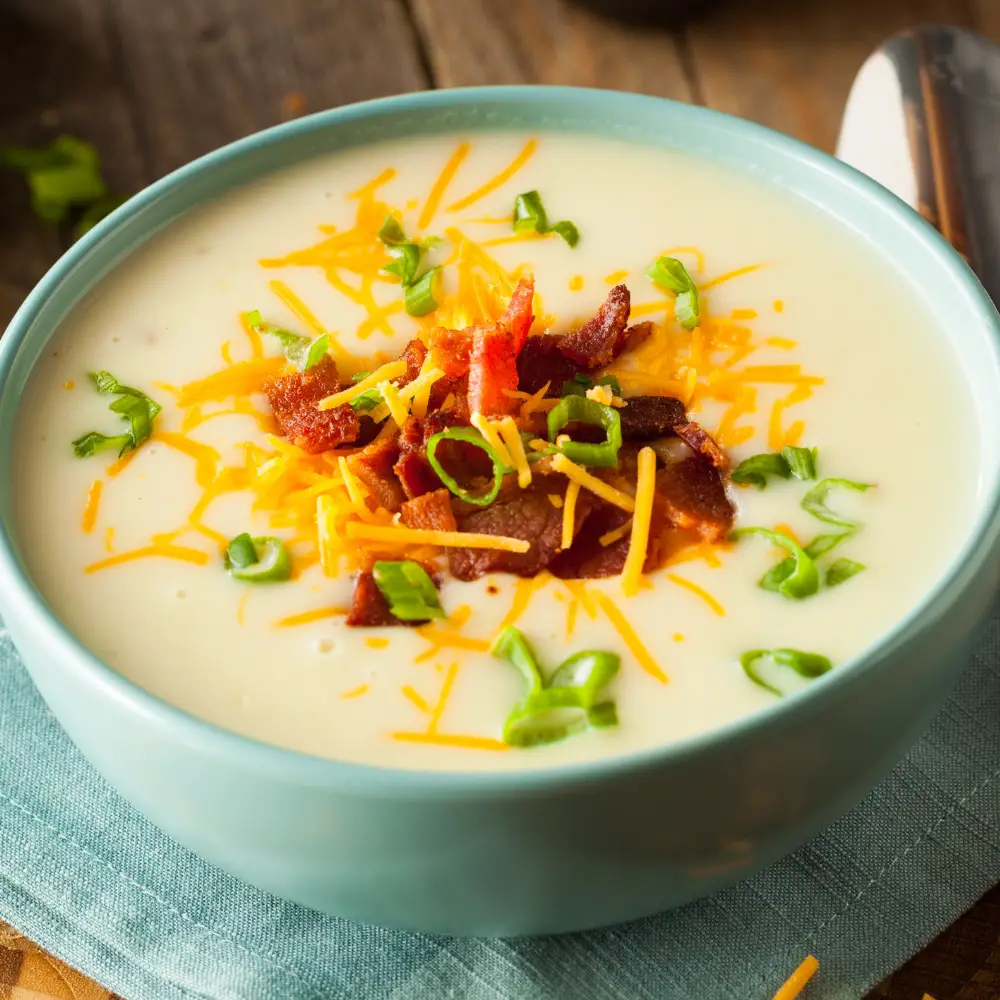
154	84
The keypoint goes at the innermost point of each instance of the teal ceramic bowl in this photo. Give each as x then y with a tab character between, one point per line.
546	850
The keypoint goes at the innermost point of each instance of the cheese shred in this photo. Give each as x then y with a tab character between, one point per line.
92	506
511	437
569	514
580	475
425	536
644	491
388	371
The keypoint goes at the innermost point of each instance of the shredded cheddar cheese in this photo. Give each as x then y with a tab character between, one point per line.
397	408
441	184
399	535
499	180
306	617
91	507
245	378
511	437
639	541
388	371
569	514
601	394
450	740
699	592
579	475
629	637
178	552
356	692
609	537
490	430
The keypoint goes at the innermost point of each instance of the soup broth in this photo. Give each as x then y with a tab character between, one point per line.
805	339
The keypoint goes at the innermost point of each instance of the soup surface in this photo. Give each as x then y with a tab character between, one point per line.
803	338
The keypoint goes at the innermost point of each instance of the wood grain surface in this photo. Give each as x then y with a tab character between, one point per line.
156	83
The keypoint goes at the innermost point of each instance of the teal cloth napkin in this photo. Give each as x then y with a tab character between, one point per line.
86	877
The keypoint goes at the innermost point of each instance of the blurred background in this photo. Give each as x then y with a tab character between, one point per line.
153	83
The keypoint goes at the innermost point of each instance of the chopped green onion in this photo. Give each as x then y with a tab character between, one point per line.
512	645
391	231
753	471
360	376
567	704
809	665
405	261
65	175
366	400
579	384
801	461
803	580
94	442
580	409
470	436
814	502
590	669
841	570
529	213
418	298
300	351
671	274
819	546
258	560
409	590
132	405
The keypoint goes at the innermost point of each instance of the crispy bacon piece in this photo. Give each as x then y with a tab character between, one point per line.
368	607
529	516
431	511
595	343
646	418
458	388
699	440
293	399
461	460
413	354
373	465
412	469
542	360
587	558
451	350
492	370
633	337
691	495
518	316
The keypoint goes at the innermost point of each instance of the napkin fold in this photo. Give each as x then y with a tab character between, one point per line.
86	877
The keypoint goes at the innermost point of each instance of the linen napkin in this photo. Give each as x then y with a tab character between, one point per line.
86	877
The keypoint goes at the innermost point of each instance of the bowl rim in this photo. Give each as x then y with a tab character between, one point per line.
21	599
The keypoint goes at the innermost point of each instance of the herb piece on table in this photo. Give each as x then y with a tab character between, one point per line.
63	177
530	214
408	590
569	702
300	351
669	273
808	665
132	405
262	559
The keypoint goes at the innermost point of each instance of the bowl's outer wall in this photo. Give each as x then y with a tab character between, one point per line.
533	852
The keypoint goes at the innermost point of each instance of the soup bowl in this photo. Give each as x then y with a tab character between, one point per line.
551	849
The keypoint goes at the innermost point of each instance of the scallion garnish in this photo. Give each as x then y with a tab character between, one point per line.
64	176
809	665
405	261
801	461
366	400
803	578
132	405
567	703
408	589
530	214
470	436
814	502
580	409
418	298
391	232
300	351
841	570
262	559
669	273
579	384
753	471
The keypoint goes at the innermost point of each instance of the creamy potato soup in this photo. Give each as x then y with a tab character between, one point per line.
491	454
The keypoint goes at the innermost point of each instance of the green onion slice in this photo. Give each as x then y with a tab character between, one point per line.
263	559
547	717
809	665
360	376
590	670
366	400
669	273
405	261
300	351
408	589
470	436
588	411
814	502
418	298
512	645
391	231
819	546
753	471
841	570
803	580
801	461
529	213
132	405
579	384
602	715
